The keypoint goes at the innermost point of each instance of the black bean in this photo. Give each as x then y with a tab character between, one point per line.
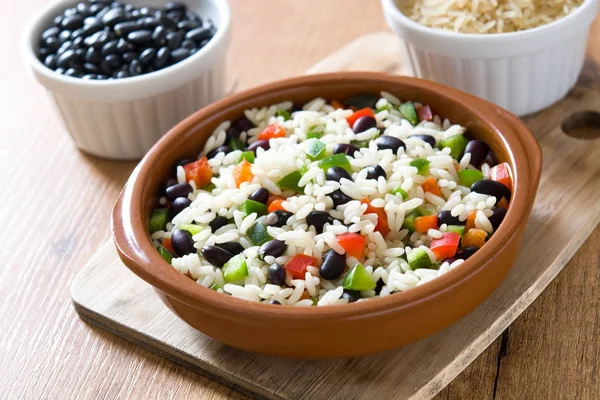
277	218
50	61
135	68
147	56
363	100
318	219
53	31
102	77
188	25
426	138
337	173
148	23
379	285
91	68
146	10
375	171
339	198
259	143
233	247
68	45
491	159
178	190
175	16
216	255
333	265
184	161
66	59
123	29
57	19
105	68
63	36
175	6
450	260
478	150
351	295
122	74
52	43
276	274
466	253
445	217
188	44
274	302
113	17
162	57
261	195
129	56
140	37
178	205
232	133
182	242
491	188
364	123
159	35
72	22
343	148
92	55
217	150
44	52
180	54
98	39
199	34
78	43
174	39
60	70
82	9
497	217
218	223
389	142
74	72
109	48
274	248
244	124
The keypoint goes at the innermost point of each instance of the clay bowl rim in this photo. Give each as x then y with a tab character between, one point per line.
135	248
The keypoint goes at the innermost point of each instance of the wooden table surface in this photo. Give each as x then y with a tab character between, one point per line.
56	204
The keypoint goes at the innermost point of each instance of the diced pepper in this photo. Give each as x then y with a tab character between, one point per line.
248	156
384	108
258	234
408	112
353	243
315	149
424	113
446	246
474	237
242	173
456	143
251	206
283	113
360	113
209	188
191	228
431	186
198	171
425	223
165	254
358	279
503	203
166	243
470	224
235	270
419	258
409	220
362	143
236	144
336	104
456	228
271	132
158	220
336	160
215	287
469	176
290	182
501	173
382	224
298	264
275	205
398	191
421	164
313	135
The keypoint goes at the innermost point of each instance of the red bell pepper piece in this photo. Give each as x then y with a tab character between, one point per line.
353	243
272	131
424	113
382	224
501	173
298	265
198	171
166	243
360	113
446	246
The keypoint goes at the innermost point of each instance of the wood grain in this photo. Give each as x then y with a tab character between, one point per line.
105	293
56	204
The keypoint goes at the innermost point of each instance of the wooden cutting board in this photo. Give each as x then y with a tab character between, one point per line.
107	294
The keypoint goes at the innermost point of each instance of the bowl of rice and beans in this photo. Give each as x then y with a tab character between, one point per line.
523	55
330	204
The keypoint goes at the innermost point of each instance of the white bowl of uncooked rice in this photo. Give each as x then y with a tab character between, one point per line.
523	55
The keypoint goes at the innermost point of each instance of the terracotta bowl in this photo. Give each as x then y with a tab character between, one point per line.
342	330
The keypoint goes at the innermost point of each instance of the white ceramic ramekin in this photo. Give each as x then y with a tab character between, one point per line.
123	118
522	72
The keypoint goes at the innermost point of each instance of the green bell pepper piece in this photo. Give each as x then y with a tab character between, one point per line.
336	160
236	144
398	191
362	143
313	135
258	234
235	269
283	113
418	258
215	287
456	143
248	156
250	206
409	220
209	188
421	164
358	279
191	228
290	182
456	228
165	254
469	176
409	112
158	220
315	150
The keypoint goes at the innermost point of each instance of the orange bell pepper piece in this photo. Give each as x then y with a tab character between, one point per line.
198	171
474	237
431	186
425	223
272	131
382	224
242	173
